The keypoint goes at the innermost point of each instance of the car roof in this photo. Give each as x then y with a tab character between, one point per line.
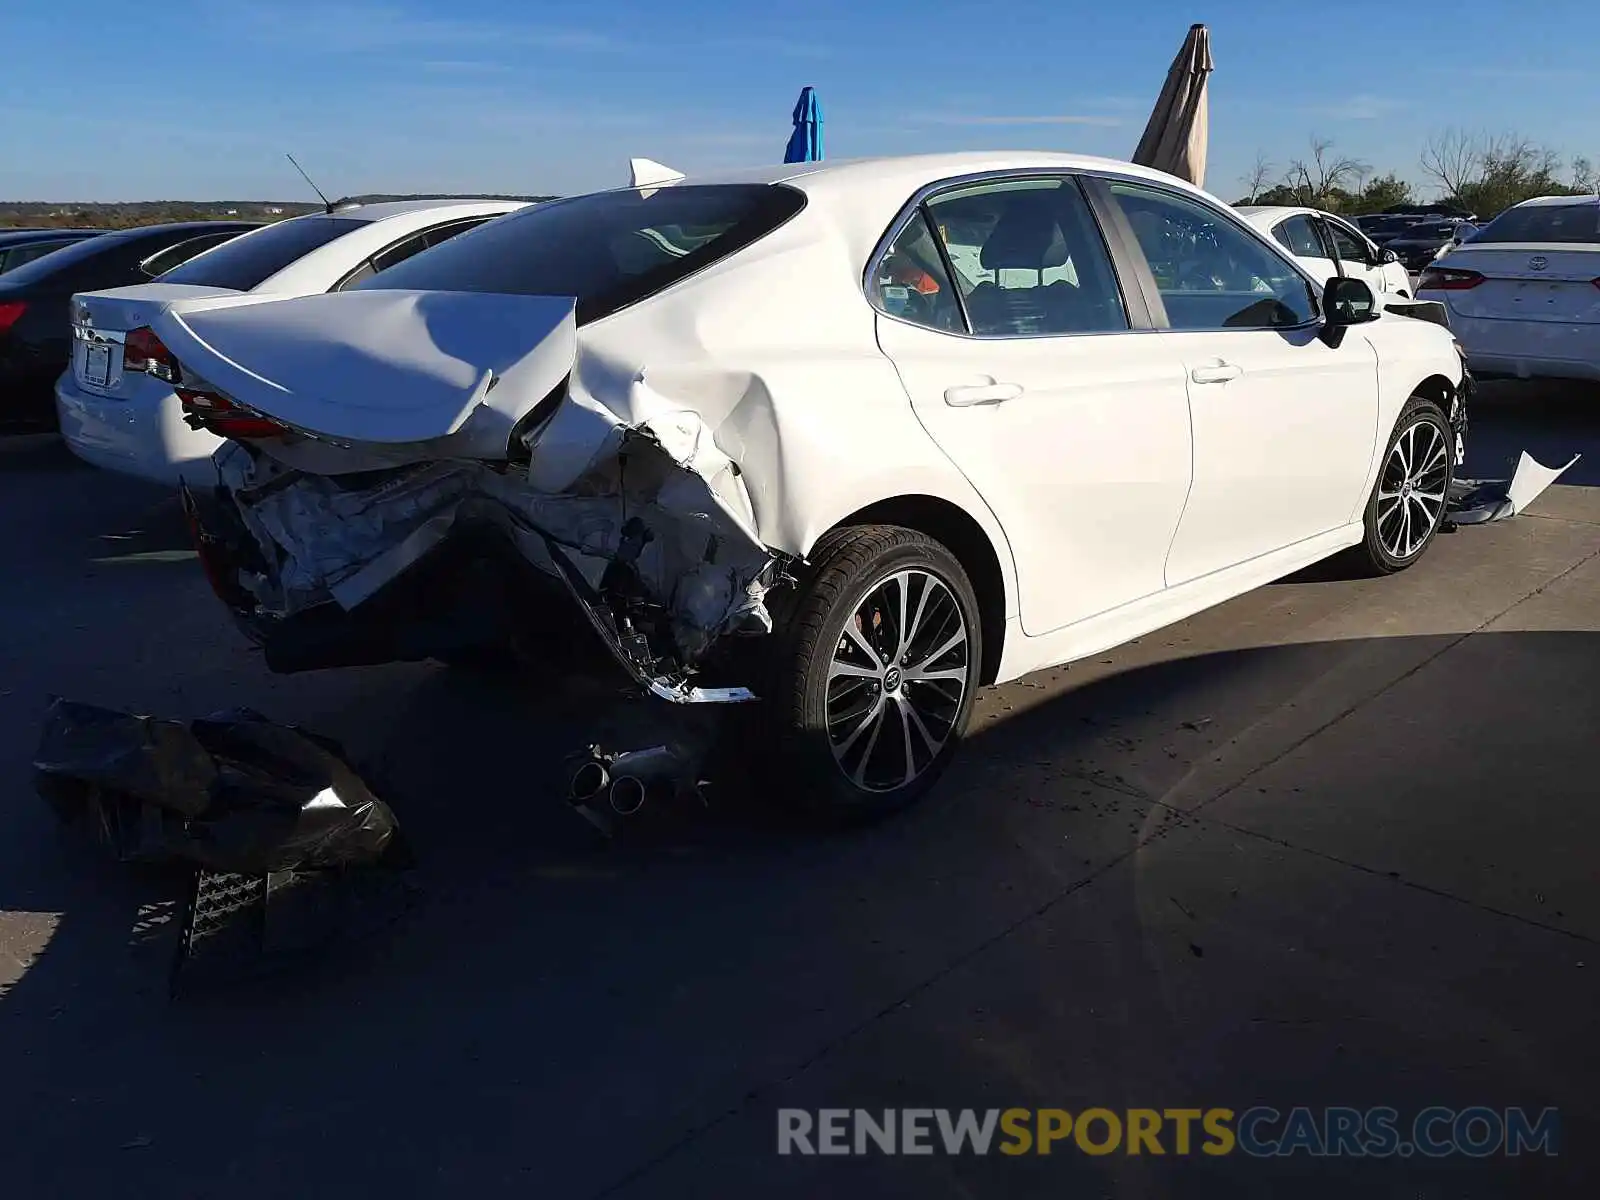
469	205
119	235
1265	216
8	236
1273	212
1541	201
919	168
858	197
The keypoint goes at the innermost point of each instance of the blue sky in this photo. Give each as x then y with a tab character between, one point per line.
190	99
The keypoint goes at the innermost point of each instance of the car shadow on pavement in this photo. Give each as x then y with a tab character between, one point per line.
1052	927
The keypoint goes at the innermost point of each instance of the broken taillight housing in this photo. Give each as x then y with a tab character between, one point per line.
221	416
1449	279
143	351
10	312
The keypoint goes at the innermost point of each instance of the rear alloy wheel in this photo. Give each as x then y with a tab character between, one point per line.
882	661
1407	505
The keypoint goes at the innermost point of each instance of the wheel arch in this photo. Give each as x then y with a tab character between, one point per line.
1437	388
959	532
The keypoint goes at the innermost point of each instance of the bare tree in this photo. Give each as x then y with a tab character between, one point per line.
1316	178
1462	163
1258	176
1453	159
1584	176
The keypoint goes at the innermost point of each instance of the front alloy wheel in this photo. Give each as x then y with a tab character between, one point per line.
1407	506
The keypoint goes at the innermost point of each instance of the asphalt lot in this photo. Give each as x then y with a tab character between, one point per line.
1331	843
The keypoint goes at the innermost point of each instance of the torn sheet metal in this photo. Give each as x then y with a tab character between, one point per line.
1477	502
1431	311
232	792
651	530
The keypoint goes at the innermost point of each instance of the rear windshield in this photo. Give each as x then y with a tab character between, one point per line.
67	256
248	261
608	249
1545	223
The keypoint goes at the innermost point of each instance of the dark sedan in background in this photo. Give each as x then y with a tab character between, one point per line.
35	325
18	246
1383	227
1420	244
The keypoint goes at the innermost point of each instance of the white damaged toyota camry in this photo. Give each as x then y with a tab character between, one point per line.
852	439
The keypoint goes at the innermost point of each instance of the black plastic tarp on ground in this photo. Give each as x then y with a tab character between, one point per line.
232	792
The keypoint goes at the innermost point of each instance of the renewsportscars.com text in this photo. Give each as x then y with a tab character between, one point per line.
1477	1132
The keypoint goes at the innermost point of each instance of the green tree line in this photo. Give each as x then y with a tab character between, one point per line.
1481	173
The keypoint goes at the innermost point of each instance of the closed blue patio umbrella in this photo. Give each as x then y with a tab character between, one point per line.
805	143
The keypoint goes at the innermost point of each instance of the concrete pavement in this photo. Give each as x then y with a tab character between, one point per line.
1331	843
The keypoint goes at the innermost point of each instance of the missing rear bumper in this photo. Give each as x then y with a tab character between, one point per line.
429	560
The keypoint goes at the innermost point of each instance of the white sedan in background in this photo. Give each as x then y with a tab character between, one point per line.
1524	294
117	403
1329	246
854	438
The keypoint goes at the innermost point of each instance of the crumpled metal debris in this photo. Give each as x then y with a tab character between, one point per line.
1478	501
281	832
232	792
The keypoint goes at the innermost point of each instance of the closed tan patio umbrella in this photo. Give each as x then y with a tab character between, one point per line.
1175	139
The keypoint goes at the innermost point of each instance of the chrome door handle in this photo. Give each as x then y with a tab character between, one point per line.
1216	373
989	392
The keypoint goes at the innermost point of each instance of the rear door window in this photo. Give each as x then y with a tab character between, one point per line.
17	255
1298	235
163	261
404	249
1352	249
250	260
607	249
444	233
396	254
1028	258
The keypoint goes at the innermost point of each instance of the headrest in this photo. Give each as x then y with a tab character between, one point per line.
1026	236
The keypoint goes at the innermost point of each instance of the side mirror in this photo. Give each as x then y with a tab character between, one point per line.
1388	256
1348	301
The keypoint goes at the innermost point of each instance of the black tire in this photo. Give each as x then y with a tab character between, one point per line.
850	568
1383	550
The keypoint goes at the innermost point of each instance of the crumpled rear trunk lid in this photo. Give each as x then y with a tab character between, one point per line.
416	417
448	372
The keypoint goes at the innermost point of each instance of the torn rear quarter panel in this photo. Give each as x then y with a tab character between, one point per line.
406	410
660	570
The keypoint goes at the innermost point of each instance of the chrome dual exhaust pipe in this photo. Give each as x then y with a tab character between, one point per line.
627	781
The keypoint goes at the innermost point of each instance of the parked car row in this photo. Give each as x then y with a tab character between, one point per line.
117	404
852	438
35	332
18	246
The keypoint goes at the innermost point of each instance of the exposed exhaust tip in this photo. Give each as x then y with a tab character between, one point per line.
627	795
588	781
